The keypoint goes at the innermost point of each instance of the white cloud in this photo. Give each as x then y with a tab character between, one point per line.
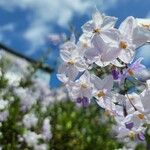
45	12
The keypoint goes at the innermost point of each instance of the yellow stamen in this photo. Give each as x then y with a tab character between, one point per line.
96	30
123	45
83	85
131	98
85	45
132	134
141	116
71	62
100	94
131	73
146	25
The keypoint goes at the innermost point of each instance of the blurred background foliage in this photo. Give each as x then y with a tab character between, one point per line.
80	128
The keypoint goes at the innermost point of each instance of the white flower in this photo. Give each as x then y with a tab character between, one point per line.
82	87
100	25
69	45
73	64
125	49
136	119
102	90
134	133
98	55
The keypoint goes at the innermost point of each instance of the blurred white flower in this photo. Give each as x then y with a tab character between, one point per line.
30	120
27	97
46	134
3	104
31	138
4	115
41	147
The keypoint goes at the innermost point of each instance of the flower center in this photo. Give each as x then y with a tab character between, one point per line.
100	94
141	116
146	25
131	73
71	62
84	85
85	45
97	30
132	134
123	45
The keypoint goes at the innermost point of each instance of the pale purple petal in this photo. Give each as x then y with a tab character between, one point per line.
98	43
90	53
110	54
110	36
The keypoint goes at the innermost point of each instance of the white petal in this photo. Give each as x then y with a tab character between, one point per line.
97	82
81	65
117	63
65	55
127	26
91	53
72	72
126	55
146	102
62	78
69	46
100	63
69	70
88	26
123	132
108	82
73	38
108	22
111	35
140	36
97	18
110	54
98	43
101	103
85	78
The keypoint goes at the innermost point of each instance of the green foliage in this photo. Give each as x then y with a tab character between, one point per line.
80	128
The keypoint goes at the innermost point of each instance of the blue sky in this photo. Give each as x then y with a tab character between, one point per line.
26	24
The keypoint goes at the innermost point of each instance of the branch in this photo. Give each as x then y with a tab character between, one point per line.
14	52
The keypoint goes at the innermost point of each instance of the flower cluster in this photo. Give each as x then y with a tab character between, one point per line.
100	66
